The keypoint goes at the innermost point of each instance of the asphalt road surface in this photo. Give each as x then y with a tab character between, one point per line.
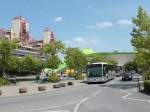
114	96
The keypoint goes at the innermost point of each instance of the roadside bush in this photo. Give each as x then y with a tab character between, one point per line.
53	78
71	75
78	77
147	75
4	81
147	86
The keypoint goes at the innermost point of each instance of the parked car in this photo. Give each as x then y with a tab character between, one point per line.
127	76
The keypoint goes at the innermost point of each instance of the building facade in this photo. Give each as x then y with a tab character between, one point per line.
20	26
27	44
48	36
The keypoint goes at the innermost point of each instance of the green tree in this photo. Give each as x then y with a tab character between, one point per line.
75	59
52	51
53	48
28	65
141	40
6	48
131	65
13	65
53	62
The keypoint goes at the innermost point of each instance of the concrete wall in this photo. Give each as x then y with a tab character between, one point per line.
122	58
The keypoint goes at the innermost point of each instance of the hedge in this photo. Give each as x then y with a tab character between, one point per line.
147	86
78	77
53	78
4	81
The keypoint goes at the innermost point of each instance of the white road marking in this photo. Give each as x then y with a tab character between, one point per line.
86	98
97	92
134	99
47	108
57	106
78	105
58	111
128	94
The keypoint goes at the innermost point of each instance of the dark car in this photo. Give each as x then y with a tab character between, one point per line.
127	76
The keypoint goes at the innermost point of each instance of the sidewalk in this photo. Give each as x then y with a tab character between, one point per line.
13	90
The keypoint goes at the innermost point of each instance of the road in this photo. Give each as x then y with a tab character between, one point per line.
114	96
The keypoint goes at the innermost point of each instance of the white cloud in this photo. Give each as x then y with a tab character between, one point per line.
79	39
104	24
100	25
81	42
124	22
87	42
58	19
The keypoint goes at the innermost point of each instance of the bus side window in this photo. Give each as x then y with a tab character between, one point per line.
105	70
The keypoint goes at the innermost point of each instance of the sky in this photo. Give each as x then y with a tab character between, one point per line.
103	25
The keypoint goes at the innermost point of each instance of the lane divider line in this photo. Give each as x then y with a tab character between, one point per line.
78	105
87	98
47	108
58	111
97	92
134	99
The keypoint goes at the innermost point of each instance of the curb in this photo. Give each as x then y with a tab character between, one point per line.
42	92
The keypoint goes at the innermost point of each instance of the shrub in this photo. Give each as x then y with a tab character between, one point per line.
53	78
147	75
78	77
4	81
71	75
147	86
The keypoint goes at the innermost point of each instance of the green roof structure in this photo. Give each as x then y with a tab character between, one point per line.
88	51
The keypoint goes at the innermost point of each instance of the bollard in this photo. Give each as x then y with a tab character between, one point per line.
62	84
41	88
23	90
70	83
56	86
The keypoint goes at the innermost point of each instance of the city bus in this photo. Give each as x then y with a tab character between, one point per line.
100	72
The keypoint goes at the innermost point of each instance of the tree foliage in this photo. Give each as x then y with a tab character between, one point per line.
75	59
51	51
53	62
23	66
130	66
28	64
6	48
53	48
141	39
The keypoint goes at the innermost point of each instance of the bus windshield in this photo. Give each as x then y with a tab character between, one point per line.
94	70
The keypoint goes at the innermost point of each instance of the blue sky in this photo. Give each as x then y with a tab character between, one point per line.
103	25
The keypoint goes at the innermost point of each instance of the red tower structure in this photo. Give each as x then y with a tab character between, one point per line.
24	33
20	27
